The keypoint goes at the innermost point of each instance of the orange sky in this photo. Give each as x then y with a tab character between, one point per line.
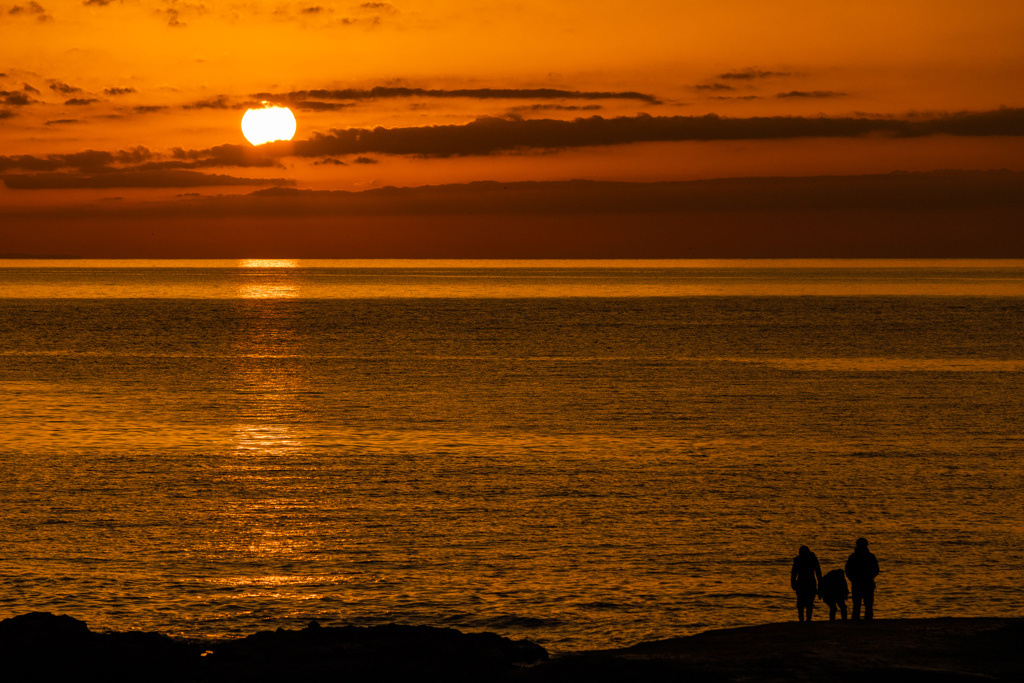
457	91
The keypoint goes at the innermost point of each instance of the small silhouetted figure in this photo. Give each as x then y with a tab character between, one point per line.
804	579
861	569
833	593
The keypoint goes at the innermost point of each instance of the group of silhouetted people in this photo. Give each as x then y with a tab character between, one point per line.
807	581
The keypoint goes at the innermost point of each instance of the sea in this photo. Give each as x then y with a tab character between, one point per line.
587	454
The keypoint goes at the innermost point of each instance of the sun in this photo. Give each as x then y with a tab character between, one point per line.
267	124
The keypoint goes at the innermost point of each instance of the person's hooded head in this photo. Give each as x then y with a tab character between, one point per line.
804	551
862	545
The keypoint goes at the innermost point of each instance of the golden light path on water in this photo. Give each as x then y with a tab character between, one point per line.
267	285
261	440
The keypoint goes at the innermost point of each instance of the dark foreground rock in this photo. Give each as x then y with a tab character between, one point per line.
904	650
44	647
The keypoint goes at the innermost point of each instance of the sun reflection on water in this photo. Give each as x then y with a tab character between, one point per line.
260	284
269	263
264	438
268	290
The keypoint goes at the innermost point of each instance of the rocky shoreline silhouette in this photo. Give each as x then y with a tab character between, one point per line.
44	647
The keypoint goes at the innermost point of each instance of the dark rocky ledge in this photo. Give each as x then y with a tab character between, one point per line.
899	650
44	647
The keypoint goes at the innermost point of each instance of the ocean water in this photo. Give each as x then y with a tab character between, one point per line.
586	454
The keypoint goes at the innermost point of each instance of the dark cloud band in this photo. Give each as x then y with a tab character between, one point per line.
496	135
913	215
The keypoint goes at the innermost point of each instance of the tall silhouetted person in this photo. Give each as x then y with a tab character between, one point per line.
833	592
861	569
804	579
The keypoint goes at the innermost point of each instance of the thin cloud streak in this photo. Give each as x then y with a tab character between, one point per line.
382	92
752	74
811	93
133	179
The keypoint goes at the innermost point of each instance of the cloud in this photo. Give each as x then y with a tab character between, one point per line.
6	114
98	3
135	155
310	105
148	109
89	161
28	88
264	156
557	107
31	9
498	135
81	101
131	178
379	7
63	88
219	102
364	160
493	135
119	91
751	74
312	10
714	86
385	92
172	18
59	122
812	93
142	159
14	98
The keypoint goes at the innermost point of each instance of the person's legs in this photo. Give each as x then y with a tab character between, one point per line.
869	603
842	608
831	610
856	605
804	605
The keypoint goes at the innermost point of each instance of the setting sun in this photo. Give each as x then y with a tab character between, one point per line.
267	124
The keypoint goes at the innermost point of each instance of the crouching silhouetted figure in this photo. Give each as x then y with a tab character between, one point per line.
861	569
834	592
804	580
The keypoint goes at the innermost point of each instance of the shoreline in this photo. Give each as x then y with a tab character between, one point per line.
41	646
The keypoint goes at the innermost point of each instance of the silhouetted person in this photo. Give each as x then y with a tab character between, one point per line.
861	569
833	592
804	579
